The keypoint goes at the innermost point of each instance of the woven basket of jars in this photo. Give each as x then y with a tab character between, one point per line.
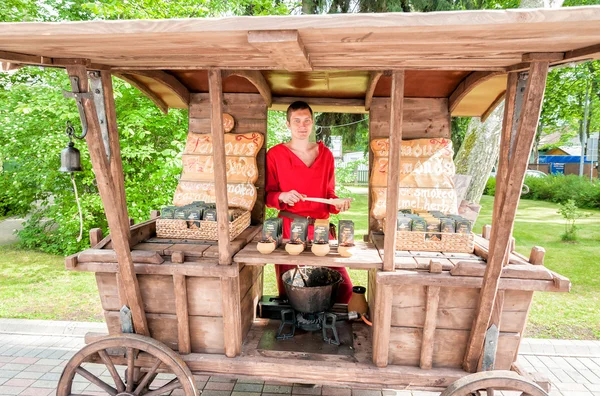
201	229
435	241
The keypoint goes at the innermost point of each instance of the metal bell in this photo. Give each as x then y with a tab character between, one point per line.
70	160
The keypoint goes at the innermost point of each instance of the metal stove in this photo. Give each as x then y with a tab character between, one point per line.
291	320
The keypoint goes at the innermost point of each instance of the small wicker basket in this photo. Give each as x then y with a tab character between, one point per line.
208	230
435	242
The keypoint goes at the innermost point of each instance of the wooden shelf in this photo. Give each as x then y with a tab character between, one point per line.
364	256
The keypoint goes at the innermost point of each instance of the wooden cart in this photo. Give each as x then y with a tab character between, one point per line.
437	317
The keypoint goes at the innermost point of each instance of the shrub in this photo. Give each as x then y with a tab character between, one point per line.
559	189
570	213
490	187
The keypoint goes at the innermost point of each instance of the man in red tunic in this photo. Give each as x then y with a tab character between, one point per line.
299	169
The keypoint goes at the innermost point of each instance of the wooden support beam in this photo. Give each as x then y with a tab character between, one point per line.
431	312
168	80
154	214
492	107
256	78
115	163
543	56
322	105
215	87
393	178
232	319
503	223
382	322
15	57
113	206
586	53
161	104
467	85
373	80
283	47
181	309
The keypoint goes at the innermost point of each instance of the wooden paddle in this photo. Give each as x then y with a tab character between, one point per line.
330	201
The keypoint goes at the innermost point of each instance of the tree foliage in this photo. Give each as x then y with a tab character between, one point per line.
32	128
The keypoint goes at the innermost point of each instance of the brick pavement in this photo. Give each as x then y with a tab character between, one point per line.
33	354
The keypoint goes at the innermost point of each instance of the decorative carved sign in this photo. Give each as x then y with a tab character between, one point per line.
197	178
426	172
201	168
238	195
228	122
243	145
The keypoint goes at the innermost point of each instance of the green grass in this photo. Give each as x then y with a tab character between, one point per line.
36	285
574	315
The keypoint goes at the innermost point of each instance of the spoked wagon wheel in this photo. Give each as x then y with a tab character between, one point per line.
156	356
486	382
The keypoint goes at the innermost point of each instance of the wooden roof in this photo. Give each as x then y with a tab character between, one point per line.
446	54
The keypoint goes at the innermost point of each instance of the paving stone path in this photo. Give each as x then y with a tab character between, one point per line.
34	352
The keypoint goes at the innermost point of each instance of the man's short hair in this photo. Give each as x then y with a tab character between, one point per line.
298	105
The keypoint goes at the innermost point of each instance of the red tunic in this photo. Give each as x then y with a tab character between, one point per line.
285	172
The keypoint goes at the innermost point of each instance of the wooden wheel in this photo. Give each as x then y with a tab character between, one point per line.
156	355
486	382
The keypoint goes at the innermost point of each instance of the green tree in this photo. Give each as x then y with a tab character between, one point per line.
34	113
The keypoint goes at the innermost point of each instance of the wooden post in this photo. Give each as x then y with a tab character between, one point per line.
116	164
433	299
114	207
393	177
232	319
512	171
95	236
536	256
382	322
486	231
181	309
215	87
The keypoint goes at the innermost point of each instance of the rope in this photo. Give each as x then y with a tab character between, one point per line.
78	208
339	126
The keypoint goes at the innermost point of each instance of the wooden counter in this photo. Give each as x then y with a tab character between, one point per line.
364	256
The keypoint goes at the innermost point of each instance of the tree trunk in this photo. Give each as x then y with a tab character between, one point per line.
536	144
479	152
583	130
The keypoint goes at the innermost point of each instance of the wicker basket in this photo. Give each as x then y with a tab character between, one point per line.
435	242
208	230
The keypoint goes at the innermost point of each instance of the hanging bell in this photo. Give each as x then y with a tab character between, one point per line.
70	159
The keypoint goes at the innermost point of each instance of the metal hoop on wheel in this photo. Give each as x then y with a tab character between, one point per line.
490	381
140	351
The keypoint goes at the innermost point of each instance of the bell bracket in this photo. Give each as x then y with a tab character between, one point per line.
98	93
78	96
97	96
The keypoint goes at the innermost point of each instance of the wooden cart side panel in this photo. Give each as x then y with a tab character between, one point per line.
372	276
455	315
250	114
422	118
203	294
250	300
206	333
456	308
449	347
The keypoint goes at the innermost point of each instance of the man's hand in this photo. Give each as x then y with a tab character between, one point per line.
291	197
344	206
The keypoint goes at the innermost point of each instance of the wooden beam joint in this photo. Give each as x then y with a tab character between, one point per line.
283	47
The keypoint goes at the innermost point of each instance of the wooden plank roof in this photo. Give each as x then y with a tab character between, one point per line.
318	55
